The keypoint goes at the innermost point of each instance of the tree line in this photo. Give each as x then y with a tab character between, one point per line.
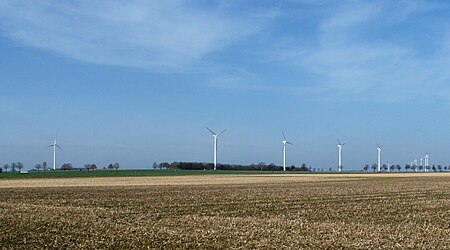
14	167
18	166
209	166
407	168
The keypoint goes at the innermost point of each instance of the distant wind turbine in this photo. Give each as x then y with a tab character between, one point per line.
284	142
215	145
427	162
379	157
55	145
340	145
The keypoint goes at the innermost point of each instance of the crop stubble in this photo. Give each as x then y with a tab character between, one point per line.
228	211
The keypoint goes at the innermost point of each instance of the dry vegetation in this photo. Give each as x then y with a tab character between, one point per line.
210	212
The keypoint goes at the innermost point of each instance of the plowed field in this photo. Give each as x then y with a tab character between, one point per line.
366	211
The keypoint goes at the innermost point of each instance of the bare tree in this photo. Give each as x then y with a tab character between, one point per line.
66	166
407	167
374	167
116	166
37	166
261	165
20	166
13	167
6	166
392	167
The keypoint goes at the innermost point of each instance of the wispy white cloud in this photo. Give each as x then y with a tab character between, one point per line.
345	50
351	57
157	35
240	80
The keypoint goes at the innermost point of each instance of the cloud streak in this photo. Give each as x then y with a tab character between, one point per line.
351	57
157	35
353	50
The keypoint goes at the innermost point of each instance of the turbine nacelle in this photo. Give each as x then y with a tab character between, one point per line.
284	141
55	144
215	134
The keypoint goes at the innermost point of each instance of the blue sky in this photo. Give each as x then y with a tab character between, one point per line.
136	82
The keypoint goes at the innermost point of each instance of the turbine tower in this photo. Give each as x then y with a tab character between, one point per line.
284	142
55	145
427	163
340	145
215	145
379	157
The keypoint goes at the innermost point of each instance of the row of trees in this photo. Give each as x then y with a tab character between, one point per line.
14	167
407	167
17	166
68	166
39	166
209	166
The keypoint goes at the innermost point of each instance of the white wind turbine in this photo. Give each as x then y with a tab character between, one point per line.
215	145
55	145
427	163
379	157
284	142
340	145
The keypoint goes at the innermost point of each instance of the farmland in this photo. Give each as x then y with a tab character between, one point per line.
120	173
228	211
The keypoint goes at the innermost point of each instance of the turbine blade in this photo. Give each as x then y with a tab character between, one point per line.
222	132
284	137
210	131
58	147
378	145
289	143
50	146
338	141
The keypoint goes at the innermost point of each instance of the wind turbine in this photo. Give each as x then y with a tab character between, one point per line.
284	142
215	145
55	145
340	155
379	157
427	158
